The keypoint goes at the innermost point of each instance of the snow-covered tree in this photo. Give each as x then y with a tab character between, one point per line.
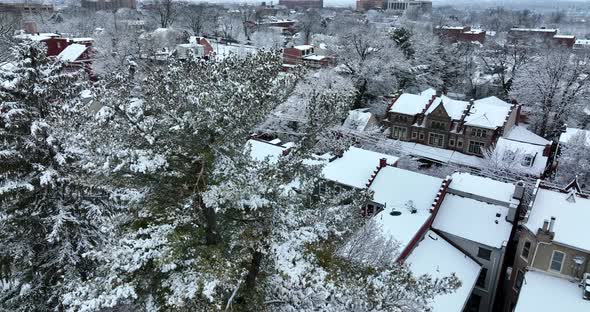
52	210
371	59
574	161
553	86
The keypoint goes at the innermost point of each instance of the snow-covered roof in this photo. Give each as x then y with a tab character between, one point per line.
409	104
571	218
72	52
355	167
454	108
473	220
574	133
358	119
564	36
475	31
543	292
522	134
483	187
453	27
396	189
520	150
88	39
489	113
438	258
303	47
36	37
439	154
583	41
534	29
314	57
224	50
260	150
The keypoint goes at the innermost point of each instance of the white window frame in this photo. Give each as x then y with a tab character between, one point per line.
440	136
527	160
562	261
401	132
529	252
481	147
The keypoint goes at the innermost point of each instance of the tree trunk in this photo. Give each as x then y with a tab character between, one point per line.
211	235
253	270
358	101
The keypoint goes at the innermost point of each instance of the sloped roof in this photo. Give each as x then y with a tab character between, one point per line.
72	52
438	258
489	113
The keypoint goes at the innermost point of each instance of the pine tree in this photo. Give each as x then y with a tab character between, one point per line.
51	212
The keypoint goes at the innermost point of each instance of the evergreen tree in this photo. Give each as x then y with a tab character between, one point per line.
51	211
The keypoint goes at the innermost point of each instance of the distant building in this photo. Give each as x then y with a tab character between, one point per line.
108	4
302	4
25	7
582	44
305	55
423	6
365	5
460	33
540	37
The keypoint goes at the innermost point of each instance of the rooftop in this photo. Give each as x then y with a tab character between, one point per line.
574	134
260	150
355	167
514	155
522	134
72	52
358	119
399	189
490	113
454	108
571	217
303	47
438	258
483	187
543	292
473	220
409	104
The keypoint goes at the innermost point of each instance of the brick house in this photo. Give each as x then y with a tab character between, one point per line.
460	34
431	118
551	243
306	55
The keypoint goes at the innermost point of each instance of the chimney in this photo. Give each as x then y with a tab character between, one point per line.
551	224
518	190
545	225
382	162
438	93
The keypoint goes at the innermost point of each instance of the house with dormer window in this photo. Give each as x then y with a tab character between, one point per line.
434	119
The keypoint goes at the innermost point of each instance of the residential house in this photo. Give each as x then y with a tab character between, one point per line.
582	44
434	119
302	4
477	215
553	252
99	5
305	55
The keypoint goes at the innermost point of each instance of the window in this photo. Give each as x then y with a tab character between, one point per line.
452	142
422	136
436	139
484	253
401	118
481	279
399	132
459	143
476	147
557	261
473	303
414	134
370	210
526	249
479	133
438	125
519	280
527	160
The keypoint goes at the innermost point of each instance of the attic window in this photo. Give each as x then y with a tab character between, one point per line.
527	160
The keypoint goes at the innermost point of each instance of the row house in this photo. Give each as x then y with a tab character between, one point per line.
478	215
457	225
553	253
433	119
460	34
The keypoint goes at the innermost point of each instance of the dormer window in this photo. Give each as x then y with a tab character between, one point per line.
527	160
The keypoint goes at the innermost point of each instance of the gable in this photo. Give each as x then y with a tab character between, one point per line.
440	112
